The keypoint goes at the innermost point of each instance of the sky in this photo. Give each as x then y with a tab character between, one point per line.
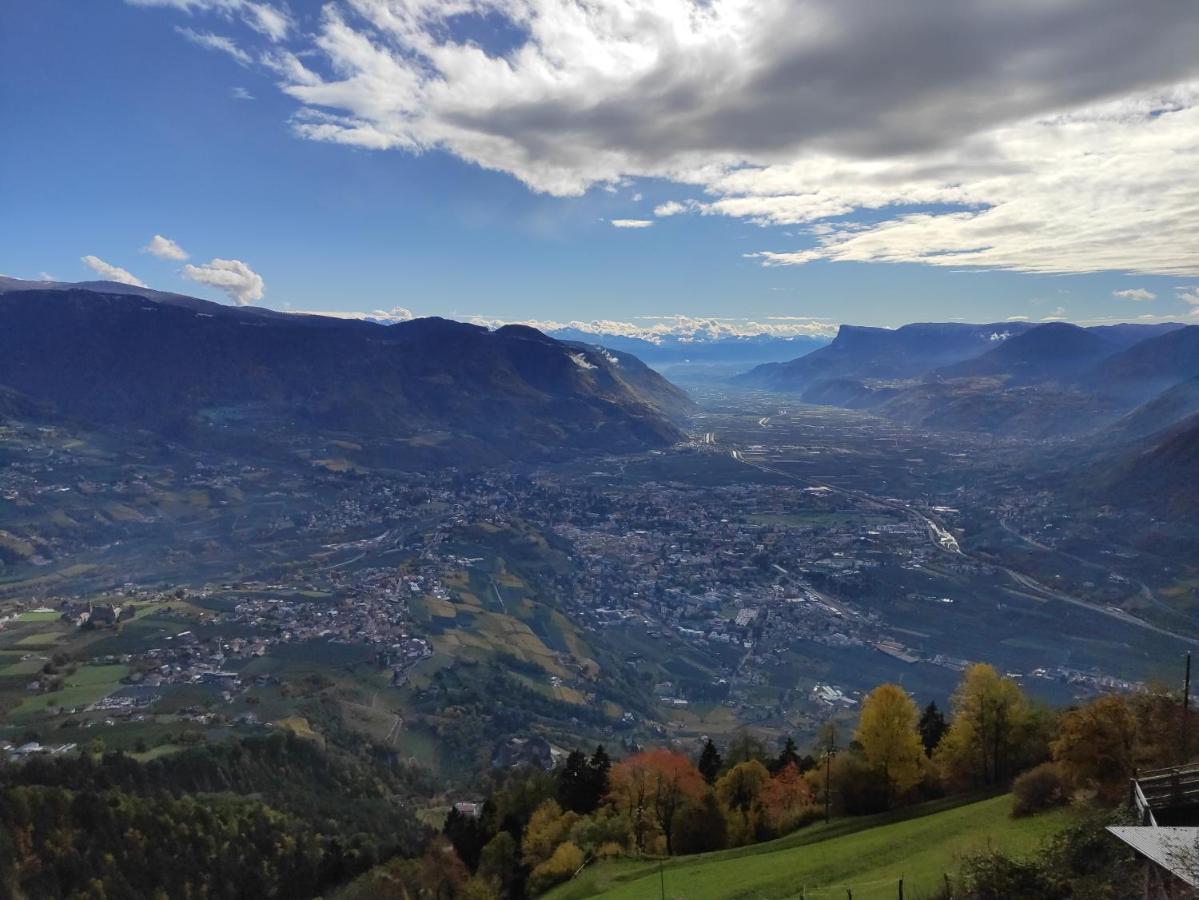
778	165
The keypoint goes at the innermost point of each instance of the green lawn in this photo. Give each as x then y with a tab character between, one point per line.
86	686
820	861
35	615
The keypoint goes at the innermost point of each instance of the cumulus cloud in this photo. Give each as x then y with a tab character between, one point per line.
1140	294
109	272
631	223
1189	296
220	43
232	276
164	248
669	208
981	135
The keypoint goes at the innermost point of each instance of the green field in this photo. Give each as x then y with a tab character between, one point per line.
823	861
86	686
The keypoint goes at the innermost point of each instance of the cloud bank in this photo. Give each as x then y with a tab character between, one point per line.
966	134
656	329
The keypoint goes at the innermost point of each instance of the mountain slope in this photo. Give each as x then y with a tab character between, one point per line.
1150	366
879	353
1166	409
1159	474
429	388
1046	352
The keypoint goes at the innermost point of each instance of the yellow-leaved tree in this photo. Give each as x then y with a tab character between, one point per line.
1096	745
991	721
890	739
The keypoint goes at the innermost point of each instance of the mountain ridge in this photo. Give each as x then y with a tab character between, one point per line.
191	369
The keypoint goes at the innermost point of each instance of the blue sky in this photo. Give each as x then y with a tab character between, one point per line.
120	127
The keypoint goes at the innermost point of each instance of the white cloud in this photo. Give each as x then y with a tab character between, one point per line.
386	316
998	144
632	223
687	328
109	272
220	43
669	208
164	248
1140	294
45	276
1017	318
240	93
271	21
1189	296
1056	316
232	276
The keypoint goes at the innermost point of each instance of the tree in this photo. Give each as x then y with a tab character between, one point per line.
500	863
889	739
744	747
786	798
577	784
1096	745
650	787
442	872
788	756
561	866
710	762
467	835
598	768
1040	788
548	827
932	727
740	791
990	718
699	826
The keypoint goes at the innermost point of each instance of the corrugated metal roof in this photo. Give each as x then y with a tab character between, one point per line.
1174	849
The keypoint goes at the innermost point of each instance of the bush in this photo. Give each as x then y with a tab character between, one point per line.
994	876
558	868
700	827
1038	789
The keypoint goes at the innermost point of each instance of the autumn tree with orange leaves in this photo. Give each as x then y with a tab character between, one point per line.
785	798
650	788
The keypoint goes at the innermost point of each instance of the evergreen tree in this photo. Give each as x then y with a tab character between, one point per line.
576	784
467	835
710	762
788	756
598	767
932	727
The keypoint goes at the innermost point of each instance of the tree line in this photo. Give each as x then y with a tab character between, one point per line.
537	829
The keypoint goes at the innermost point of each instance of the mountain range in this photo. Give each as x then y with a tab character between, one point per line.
423	391
701	354
1034	380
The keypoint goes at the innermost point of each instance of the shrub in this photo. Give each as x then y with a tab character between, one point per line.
558	868
1038	789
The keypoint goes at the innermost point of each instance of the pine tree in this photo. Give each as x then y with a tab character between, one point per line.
932	727
598	768
710	762
788	756
576	784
